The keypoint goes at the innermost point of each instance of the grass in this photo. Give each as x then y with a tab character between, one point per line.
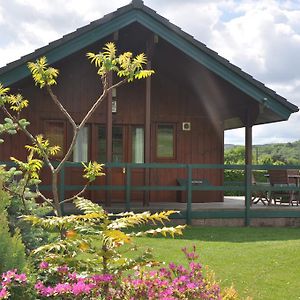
263	263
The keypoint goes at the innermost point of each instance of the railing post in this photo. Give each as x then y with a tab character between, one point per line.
248	193
128	187
62	188
189	195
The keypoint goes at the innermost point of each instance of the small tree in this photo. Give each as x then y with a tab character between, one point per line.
127	68
12	251
100	235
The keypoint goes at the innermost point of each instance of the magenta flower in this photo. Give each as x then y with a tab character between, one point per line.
4	293
103	278
21	278
62	288
72	276
80	288
44	265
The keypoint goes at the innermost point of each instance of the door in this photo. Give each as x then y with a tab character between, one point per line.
127	146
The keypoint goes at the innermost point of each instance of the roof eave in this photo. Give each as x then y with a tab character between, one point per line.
174	35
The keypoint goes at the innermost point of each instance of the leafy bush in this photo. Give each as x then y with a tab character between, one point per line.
12	251
91	242
170	283
15	286
17	205
32	237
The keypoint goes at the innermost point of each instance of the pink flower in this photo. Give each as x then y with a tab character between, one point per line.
80	288
39	285
21	278
44	265
103	278
4	293
62	288
72	276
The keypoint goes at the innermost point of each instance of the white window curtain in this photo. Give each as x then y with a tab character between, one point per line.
138	145
80	152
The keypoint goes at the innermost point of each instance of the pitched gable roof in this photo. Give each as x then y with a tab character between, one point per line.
136	11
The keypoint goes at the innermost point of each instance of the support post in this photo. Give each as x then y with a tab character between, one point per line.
128	188
248	172
146	201
108	176
62	188
189	195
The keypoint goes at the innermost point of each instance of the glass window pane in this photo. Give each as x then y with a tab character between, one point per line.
138	145
165	141
102	144
117	144
80	152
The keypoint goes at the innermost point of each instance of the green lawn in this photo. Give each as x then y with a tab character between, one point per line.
263	263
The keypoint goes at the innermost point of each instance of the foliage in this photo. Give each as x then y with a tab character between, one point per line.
236	156
171	282
42	74
92	170
15	286
99	235
42	146
12	251
281	153
21	201
124	65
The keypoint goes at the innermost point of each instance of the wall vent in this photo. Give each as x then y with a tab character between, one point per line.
186	126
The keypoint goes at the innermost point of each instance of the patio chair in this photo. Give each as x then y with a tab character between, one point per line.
280	178
259	195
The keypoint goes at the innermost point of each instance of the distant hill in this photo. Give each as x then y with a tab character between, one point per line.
283	152
229	146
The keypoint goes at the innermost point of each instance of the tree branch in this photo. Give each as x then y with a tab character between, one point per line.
75	196
60	106
64	159
99	100
49	201
31	137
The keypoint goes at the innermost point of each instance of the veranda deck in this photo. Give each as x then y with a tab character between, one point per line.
231	212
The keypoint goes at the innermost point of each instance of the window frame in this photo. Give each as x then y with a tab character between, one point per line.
89	136
133	127
174	127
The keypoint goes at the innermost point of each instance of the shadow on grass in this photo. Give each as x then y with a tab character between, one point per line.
238	234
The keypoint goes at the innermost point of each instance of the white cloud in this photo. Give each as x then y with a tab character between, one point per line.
262	37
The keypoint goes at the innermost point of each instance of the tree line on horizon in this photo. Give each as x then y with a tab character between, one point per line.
279	153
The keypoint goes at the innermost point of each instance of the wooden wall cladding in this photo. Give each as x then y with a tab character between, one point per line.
174	100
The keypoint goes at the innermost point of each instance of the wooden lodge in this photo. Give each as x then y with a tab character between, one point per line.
177	116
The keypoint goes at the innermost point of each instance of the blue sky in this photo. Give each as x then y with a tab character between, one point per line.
262	37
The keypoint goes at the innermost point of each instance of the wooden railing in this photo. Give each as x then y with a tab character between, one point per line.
247	188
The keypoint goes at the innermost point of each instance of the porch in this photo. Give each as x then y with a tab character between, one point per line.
232	211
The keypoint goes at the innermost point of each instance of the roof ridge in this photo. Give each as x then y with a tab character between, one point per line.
137	3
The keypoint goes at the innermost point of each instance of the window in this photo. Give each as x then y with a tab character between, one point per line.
137	145
101	156
165	141
80	152
117	144
55	132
